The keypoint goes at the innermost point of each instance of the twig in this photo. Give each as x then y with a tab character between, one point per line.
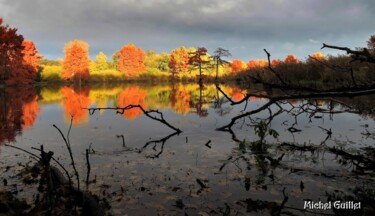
208	144
121	110
30	153
67	143
88	168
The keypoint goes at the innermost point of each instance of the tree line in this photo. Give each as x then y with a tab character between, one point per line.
21	62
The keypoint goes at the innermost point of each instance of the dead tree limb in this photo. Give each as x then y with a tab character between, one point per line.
272	70
121	110
273	100
362	55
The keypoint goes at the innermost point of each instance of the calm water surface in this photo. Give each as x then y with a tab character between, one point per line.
142	167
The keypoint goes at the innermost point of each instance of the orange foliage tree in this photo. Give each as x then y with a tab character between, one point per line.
31	57
76	62
257	63
319	56
11	61
179	61
131	60
291	59
132	95
275	62
236	65
74	100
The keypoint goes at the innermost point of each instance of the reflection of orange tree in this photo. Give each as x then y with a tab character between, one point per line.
236	94
30	111
12	118
73	101
179	99
132	95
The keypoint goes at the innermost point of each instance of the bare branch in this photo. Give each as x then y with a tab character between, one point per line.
272	70
121	110
357	55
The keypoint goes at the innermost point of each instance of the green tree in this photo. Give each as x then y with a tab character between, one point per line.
101	62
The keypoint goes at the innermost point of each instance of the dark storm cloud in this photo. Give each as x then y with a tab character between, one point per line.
244	27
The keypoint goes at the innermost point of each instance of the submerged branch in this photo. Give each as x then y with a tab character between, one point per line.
273	100
121	110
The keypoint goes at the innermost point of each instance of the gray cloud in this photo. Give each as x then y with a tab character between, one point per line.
244	27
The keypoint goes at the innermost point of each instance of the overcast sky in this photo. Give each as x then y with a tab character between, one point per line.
244	27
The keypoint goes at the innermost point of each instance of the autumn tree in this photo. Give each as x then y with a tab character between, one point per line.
11	61
100	63
275	62
76	62
101	60
115	58
319	56
257	63
163	62
291	59
237	65
131	60
179	61
155	61
198	59
217	57
31	57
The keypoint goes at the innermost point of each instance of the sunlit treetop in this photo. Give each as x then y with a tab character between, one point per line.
257	63
101	58
31	56
179	60
237	65
291	59
319	56
131	60
76	62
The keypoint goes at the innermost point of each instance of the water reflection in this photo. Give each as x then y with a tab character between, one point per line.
73	100
19	109
309	146
132	95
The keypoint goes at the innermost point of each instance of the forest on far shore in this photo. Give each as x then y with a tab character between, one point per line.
21	63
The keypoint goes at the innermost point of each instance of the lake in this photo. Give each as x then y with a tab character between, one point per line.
292	151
